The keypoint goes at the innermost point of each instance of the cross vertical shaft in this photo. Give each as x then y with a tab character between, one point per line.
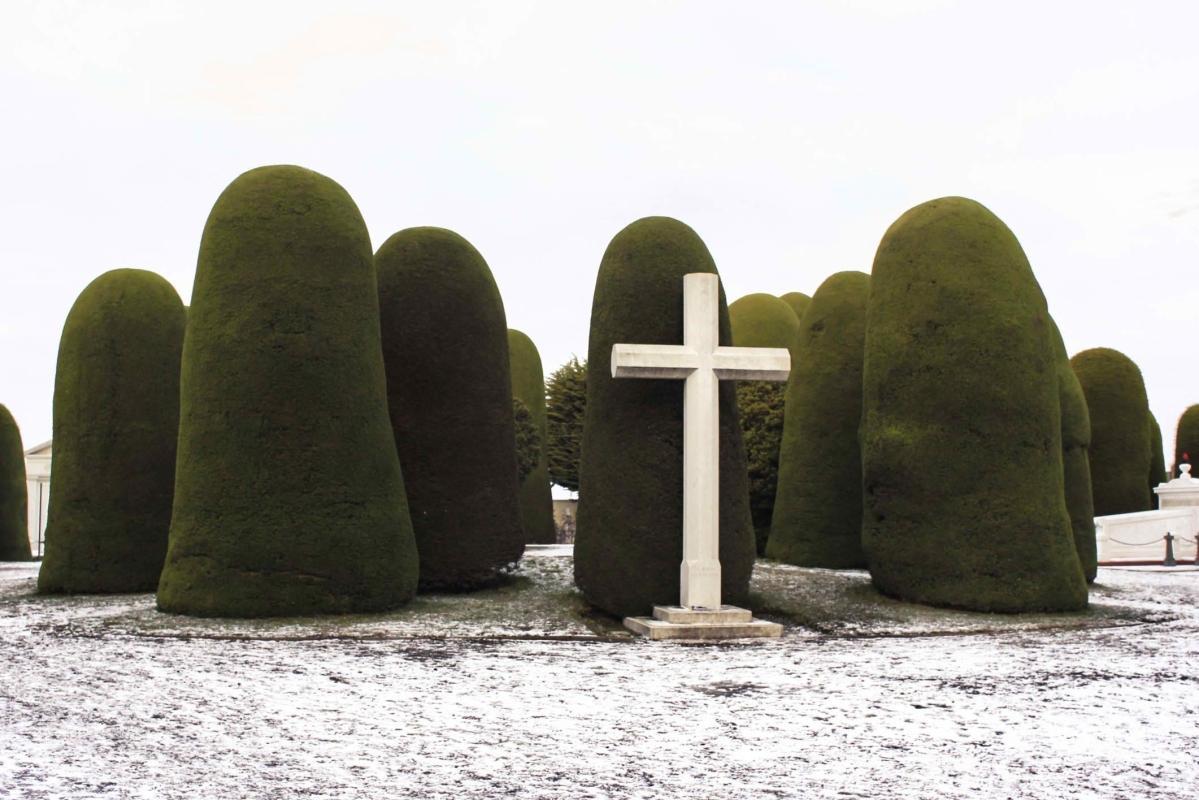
699	574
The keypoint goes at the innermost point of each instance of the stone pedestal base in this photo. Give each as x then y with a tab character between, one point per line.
726	622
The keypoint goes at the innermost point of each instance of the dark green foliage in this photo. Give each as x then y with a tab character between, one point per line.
565	408
1076	465
799	303
528	440
288	496
964	503
760	406
629	539
528	384
445	344
818	512
762	320
116	416
1157	459
1120	432
14	531
1186	440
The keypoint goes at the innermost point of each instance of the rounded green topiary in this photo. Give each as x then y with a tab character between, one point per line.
1076	465
1157	459
288	494
629	535
1120	431
445	344
799	303
528	385
964	503
762	320
116	418
1186	440
14	494
818	513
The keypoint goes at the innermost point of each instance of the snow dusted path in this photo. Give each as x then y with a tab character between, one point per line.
96	701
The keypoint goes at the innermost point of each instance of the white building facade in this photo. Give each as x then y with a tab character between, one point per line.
37	480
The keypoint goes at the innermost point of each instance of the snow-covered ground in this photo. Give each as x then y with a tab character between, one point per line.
519	692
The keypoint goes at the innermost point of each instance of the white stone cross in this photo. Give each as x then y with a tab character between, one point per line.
702	363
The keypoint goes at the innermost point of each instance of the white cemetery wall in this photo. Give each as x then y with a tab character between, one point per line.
1140	537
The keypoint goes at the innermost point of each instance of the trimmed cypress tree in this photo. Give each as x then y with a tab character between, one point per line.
1076	465
818	513
445	344
1157	459
762	320
14	522
528	385
629	535
964	504
528	440
288	493
565	409
1186	440
116	418
799	303
1120	431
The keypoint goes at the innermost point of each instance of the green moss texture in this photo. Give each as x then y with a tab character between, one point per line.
528	385
289	498
1186	440
629	535
798	302
762	320
818	512
1076	464
964	504
445	343
1157	459
116	418
14	522
1120	431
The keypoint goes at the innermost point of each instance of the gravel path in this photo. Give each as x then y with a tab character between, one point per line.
95	701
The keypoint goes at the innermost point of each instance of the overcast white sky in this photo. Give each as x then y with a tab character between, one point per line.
789	135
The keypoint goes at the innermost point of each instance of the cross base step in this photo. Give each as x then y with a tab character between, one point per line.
726	622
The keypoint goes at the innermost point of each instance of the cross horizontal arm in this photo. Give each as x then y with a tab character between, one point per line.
653	361
752	363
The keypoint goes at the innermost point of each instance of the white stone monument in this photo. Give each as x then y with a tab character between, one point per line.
1181	492
1140	537
702	363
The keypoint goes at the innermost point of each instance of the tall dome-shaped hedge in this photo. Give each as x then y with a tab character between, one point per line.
445	343
116	418
963	492
762	320
818	513
1186	441
1157	459
14	531
798	301
528	386
1120	430
629	535
288	494
1076	465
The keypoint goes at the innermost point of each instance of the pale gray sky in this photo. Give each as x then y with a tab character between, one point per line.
788	134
